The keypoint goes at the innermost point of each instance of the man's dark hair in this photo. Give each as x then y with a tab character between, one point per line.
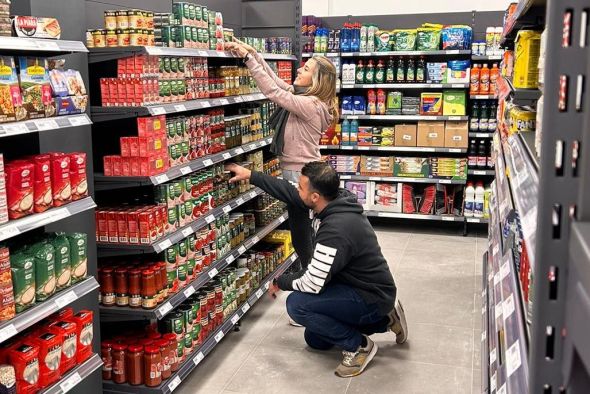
322	179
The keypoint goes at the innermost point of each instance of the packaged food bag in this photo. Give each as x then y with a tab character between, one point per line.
456	37
428	39
405	40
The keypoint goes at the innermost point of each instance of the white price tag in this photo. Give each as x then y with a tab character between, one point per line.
155	51
17	128
238	99
179	108
7	332
187	231
473	220
46	124
253	194
70	382
267	285
345	177
161	178
352	117
493	356
496	250
189	291
241	249
453	52
203	53
230	259
235	319
505	269
454	118
213	272
174	383
259	293
346	147
281	219
79	120
221	53
502	389
226	156
210	219
224	101
165	308
239	151
363	148
508	307
205	104
226	209
8	232
458	85
455	150
240	201
498	310
66	299
513	360
207	162
252	146
185	170
158	111
198	358
436	85
165	244
374	178
445	181
448	218
255	240
219	336
47	45
245	308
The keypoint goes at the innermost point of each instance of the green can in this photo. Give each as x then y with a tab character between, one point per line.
181	213
198	13
190	267
181	66
192	11
205	15
185	148
173	323
180	127
195	34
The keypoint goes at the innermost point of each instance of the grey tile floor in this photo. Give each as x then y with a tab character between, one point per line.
438	274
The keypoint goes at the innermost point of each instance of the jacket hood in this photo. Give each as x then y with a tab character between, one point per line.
345	202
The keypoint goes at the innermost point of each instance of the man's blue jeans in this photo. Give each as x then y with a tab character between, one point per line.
338	316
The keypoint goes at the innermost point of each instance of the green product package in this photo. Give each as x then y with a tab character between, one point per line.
170	257
78	256
383	41
22	267
44	258
428	39
63	265
405	40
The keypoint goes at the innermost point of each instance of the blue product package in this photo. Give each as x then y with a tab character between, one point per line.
456	37
359	105
345	132
347	105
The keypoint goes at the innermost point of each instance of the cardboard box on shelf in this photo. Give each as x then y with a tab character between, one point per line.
431	104
405	135
456	134
385	197
431	134
374	165
411	167
332	136
454	102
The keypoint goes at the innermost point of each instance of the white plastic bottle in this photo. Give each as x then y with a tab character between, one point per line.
479	200
486	203
469	200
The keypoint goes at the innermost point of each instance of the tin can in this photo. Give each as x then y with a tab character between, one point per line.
122	19
151	39
149	20
135	19
100	38
110	20
135	38
173	323
89	39
111	38
123	37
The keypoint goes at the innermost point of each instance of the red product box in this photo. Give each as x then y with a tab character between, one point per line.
102	226
60	179
144	227
113	91
117	165
104	91
112	226
125	149
133	226
122	228
158	221
135	166
108	165
121	92
133	146
78	178
130	90
151	145
126	166
138	92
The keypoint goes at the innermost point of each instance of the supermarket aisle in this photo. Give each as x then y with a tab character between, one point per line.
438	273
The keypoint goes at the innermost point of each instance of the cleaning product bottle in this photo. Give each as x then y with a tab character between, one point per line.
492	118
482	155
494	75
472	154
345	38
421	71
381	98
355	43
370	72
400	76
363	36
371	102
380	72
474	119
390	73
474	80
345	139
484	80
411	71
479	200
469	200
360	73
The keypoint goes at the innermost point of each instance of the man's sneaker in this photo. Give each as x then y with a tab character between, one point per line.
294	323
397	322
354	363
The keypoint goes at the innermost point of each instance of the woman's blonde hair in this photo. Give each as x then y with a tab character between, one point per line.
323	85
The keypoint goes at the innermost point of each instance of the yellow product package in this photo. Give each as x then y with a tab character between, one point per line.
522	119
526	59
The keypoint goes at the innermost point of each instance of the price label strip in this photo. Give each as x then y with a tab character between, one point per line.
210	219
198	358
79	120
259	293
165	244
213	272
174	383
230	259
246	307
161	178
179	108
66	299
164	309
219	336
186	232
189	291
185	170
207	162
241	249
235	319
240	201
70	382
513	361
226	156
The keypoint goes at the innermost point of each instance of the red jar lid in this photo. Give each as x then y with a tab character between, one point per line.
146	342
135	348
154	335
162	342
106	344
119	346
152	349
169	337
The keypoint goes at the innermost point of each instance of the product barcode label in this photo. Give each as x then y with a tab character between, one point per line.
235	319
363	148
281	219
456	150
219	336
445	181
7	332
161	178
513	360
185	170
224	101
16	128
238	99
448	218
453	52
374	178
352	117
187	231
240	201
239	151
174	383
221	53
346	147
245	308
210	219
79	120
47	45
70	382
252	146
179	108
226	156
66	299
253	194
493	383
213	272
347	86
496	278
508	307
345	177
46	124
226	209
207	162
198	358
165	308
203	53
458	85
255	240
189	291
478	172
165	244
158	111
230	259
259	293
267	285
205	104
498	310
241	249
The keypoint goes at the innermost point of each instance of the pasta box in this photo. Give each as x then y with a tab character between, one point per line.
71	105
36	27
35	87
11	100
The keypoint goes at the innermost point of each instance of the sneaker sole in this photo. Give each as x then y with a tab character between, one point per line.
400	324
367	361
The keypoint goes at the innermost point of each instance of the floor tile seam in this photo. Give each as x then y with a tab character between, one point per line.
401	258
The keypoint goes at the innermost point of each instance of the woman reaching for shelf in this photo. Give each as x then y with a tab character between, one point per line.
306	110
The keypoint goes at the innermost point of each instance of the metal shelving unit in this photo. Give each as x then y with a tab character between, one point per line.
406	86
111	312
419	149
403	117
403	179
41	125
208	345
39	46
117	182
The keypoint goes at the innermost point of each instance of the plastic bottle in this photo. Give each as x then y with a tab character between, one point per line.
474	80
490	40
421	70
381	98
484	80
345	38
331	41
370	72
479	200
380	72
390	73
363	38
494	74
469	200
484	114
474	119
482	155
411	71
490	158
345	130
497	39
324	41
354	126
492	118
371	102
355	38
400	76
337	41
486	201
360	73
317	41
472	154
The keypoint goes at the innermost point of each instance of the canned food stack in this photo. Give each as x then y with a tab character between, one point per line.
40	357
123	28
